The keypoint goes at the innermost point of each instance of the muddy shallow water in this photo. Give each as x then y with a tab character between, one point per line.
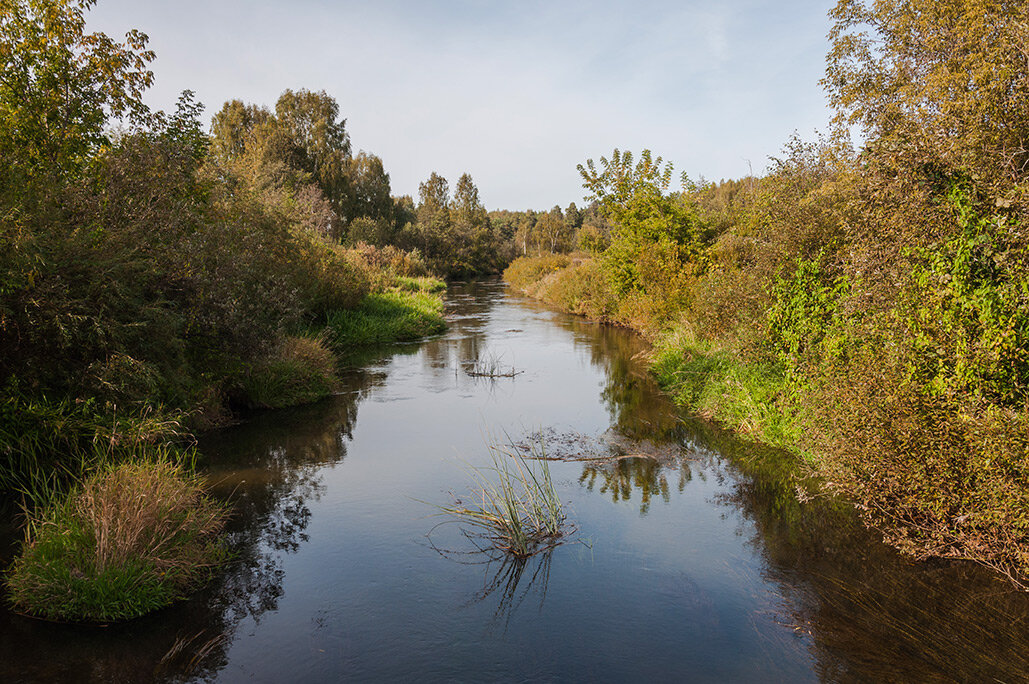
691	558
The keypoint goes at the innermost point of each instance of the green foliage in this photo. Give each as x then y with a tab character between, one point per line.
528	270
969	296
945	79
752	397
133	538
455	236
592	240
573	284
60	85
803	310
656	235
385	318
430	285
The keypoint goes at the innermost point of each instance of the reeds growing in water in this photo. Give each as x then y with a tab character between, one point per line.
513	508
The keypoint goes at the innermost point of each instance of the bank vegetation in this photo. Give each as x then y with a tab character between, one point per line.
867	309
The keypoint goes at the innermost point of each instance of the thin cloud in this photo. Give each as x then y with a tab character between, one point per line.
516	94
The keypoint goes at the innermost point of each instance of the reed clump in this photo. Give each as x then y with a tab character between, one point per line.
490	366
130	539
513	508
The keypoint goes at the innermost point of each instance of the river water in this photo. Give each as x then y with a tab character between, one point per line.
690	559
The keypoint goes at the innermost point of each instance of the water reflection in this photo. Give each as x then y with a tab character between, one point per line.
620	478
269	470
637	406
870	614
504	584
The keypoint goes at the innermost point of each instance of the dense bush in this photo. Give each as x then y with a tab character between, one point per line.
298	371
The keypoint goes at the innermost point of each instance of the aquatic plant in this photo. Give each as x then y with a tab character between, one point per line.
513	507
490	366
132	538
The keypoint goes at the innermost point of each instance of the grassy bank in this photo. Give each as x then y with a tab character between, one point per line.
940	477
130	539
398	315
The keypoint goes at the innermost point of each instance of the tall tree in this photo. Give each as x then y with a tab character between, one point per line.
369	190
948	77
434	221
573	217
321	144
60	86
477	244
232	129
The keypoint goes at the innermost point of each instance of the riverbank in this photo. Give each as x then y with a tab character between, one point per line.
81	467
943	486
721	382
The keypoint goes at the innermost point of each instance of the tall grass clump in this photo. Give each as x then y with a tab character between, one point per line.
489	366
513	509
46	443
130	539
299	370
386	317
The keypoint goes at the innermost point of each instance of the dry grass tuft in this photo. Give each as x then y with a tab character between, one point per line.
134	537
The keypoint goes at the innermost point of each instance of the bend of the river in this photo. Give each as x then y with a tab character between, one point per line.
691	559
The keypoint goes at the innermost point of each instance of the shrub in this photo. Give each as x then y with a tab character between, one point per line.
133	538
527	270
329	278
803	310
298	371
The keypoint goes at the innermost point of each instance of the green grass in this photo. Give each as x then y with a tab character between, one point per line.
132	538
45	444
384	318
753	398
423	284
300	370
513	508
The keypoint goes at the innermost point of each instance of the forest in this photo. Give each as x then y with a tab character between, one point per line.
863	305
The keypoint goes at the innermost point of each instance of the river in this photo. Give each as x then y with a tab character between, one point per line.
690	557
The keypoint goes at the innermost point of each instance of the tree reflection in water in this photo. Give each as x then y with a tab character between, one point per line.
622	476
872	614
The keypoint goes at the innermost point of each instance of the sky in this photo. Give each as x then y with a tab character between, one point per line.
515	93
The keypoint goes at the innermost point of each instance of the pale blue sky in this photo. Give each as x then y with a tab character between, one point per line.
515	93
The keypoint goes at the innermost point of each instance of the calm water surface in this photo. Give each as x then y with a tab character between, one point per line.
691	561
